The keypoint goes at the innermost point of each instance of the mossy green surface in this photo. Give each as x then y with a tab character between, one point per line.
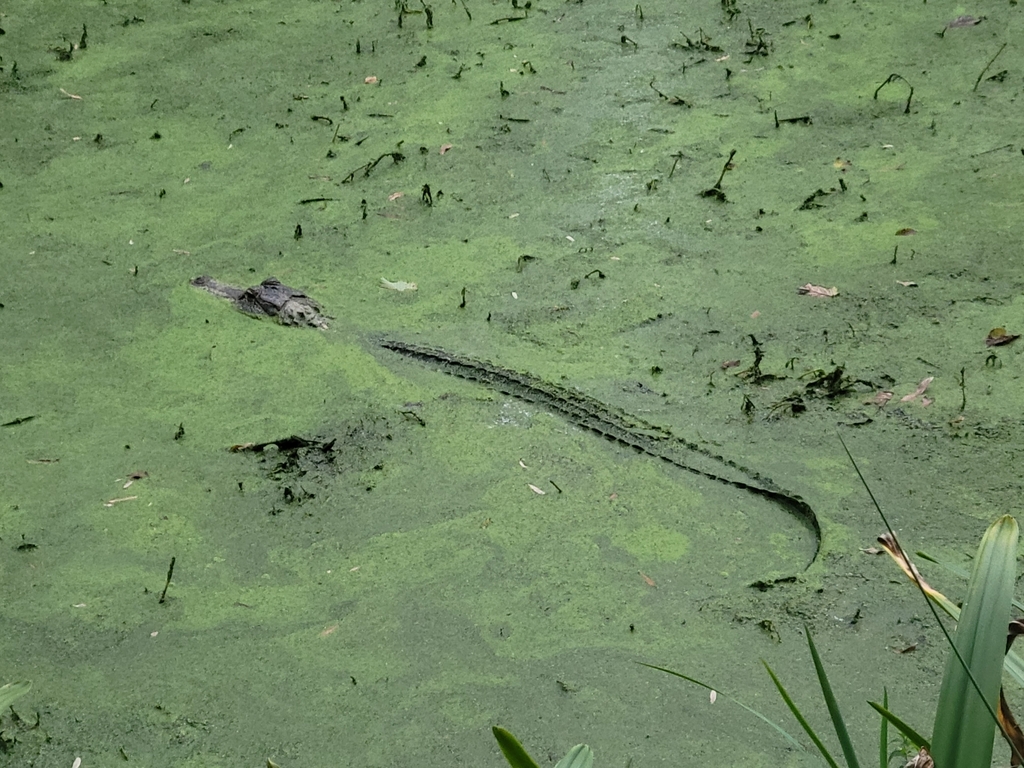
421	591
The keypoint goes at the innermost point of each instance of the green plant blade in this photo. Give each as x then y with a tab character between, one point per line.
580	756
512	750
838	723
12	692
912	736
778	728
964	722
1012	663
801	719
883	735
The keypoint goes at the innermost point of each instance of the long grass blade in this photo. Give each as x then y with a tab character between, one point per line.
913	736
778	728
965	669
883	736
838	723
800	718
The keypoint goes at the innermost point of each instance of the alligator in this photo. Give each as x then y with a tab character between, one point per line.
271	298
288	306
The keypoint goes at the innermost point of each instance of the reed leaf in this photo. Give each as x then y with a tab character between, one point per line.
965	721
838	723
800	718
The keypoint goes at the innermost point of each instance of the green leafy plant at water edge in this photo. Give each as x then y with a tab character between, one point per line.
970	696
580	756
966	719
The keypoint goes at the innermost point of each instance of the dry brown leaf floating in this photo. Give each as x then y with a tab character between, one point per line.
537	490
648	579
879	398
445	148
730	364
905	231
997	337
817	290
919	391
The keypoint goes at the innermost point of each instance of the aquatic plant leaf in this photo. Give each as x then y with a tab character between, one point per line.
778	728
800	718
580	756
512	750
1013	663
838	723
12	692
964	723
883	735
911	735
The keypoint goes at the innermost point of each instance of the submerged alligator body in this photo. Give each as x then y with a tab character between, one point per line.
271	298
288	306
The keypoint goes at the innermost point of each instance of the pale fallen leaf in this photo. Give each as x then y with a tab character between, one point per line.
74	96
329	630
42	461
919	391
730	364
394	196
817	290
755	314
907	283
371	80
112	502
78	605
713	696
926	401
537	490
77	763
872	550
180	252
353	570
648	579
964	21
879	398
398	285
522	464
151	634
515	295
841	164
445	148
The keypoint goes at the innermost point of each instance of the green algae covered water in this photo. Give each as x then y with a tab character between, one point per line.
616	197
